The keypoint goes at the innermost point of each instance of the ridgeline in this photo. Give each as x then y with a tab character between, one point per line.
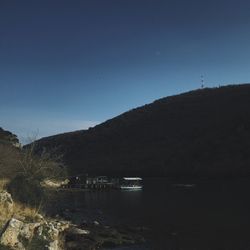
201	133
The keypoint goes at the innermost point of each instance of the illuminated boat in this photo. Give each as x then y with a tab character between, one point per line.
131	183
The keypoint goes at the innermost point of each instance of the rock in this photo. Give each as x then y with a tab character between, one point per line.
6	205
20	217
48	234
40	236
58	235
17	234
96	223
5	198
77	231
54	183
62	225
9	237
27	230
39	218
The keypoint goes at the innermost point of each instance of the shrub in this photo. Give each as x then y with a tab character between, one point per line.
27	191
42	166
22	170
9	160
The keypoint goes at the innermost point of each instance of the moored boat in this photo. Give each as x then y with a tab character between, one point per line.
131	183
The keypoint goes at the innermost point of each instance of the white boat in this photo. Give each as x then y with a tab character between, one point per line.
131	183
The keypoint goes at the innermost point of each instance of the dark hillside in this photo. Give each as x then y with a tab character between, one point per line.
9	154
199	133
7	137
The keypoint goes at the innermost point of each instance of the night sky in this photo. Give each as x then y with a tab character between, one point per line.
68	65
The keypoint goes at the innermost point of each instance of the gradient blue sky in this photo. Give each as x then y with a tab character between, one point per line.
68	65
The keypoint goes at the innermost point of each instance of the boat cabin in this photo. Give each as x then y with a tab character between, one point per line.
131	183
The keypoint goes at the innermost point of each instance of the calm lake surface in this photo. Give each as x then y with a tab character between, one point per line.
211	215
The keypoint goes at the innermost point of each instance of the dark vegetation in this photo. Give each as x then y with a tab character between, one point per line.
7	137
202	133
22	171
9	154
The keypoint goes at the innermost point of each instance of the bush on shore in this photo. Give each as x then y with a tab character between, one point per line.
27	191
22	171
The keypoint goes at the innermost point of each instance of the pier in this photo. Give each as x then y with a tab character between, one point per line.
86	182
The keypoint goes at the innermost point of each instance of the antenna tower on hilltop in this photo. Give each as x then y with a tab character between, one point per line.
202	81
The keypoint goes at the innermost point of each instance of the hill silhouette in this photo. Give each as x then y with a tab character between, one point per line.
6	137
205	132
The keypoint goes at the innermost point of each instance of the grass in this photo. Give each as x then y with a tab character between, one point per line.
20	211
26	213
3	183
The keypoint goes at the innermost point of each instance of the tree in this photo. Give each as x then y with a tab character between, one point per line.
33	169
43	166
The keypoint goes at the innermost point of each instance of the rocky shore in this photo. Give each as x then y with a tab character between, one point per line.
40	232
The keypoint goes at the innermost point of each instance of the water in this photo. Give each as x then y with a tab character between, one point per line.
210	215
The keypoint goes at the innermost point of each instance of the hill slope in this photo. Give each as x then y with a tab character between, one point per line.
6	137
200	133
